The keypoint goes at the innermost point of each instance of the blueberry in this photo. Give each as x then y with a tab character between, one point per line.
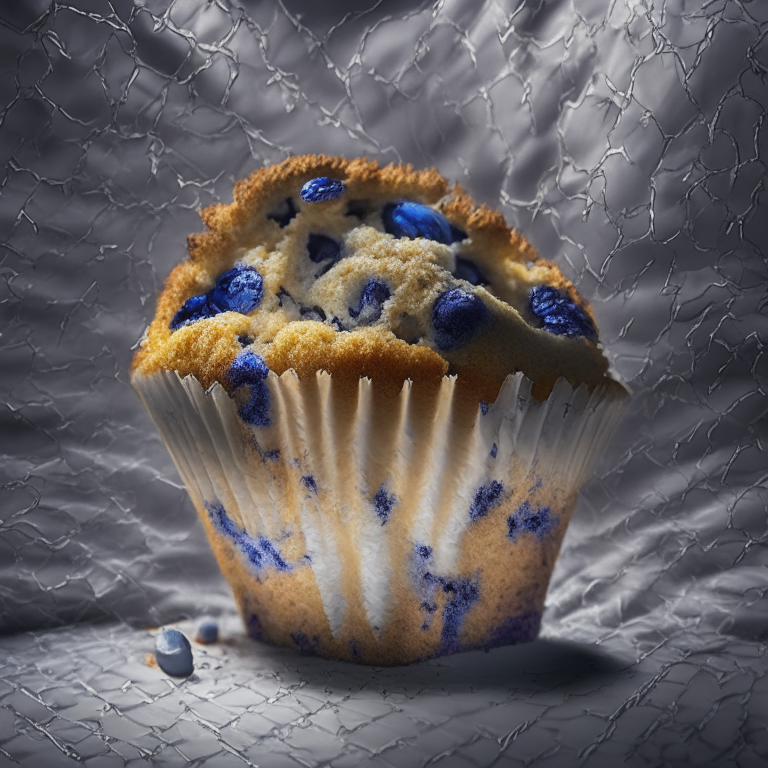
248	369
322	188
407	219
244	340
174	653
315	313
207	633
239	290
358	208
321	248
457	317
194	309
487	497
372	299
558	313
469	271
284	212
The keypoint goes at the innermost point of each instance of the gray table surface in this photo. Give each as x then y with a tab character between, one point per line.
627	140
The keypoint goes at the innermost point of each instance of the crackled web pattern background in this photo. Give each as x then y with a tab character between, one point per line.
626	139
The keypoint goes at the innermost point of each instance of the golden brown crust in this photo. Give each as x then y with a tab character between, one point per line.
208	348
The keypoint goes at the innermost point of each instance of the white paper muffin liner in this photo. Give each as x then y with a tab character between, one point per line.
385	529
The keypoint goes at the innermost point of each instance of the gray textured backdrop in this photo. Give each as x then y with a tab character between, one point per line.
627	140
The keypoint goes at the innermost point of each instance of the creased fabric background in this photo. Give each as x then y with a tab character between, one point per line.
627	140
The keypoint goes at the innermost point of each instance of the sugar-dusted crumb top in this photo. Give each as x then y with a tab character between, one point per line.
323	263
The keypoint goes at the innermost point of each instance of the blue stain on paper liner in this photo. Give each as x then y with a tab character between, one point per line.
249	370
383	504
559	314
539	521
514	630
260	553
254	628
307	646
461	594
487	497
309	482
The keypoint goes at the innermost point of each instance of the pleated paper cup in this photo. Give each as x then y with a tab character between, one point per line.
385	528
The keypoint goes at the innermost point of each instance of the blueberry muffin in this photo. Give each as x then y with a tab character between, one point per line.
383	404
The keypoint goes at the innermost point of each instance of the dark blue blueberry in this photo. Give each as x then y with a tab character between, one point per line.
313	313
518	629
244	340
248	369
484	407
372	299
321	247
559	314
494	450
284	213
260	552
539	521
462	595
322	188
306	646
383	504
283	294
407	219
194	309
254	628
487	497
358	208
337	324
241	289
174	653
310	483
469	271
457	317
207	633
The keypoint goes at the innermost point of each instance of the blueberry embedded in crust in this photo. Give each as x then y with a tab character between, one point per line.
456	317
559	314
409	219
321	189
249	370
194	309
241	289
284	213
469	271
372	299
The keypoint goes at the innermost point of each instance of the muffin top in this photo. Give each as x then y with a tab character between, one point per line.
323	263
